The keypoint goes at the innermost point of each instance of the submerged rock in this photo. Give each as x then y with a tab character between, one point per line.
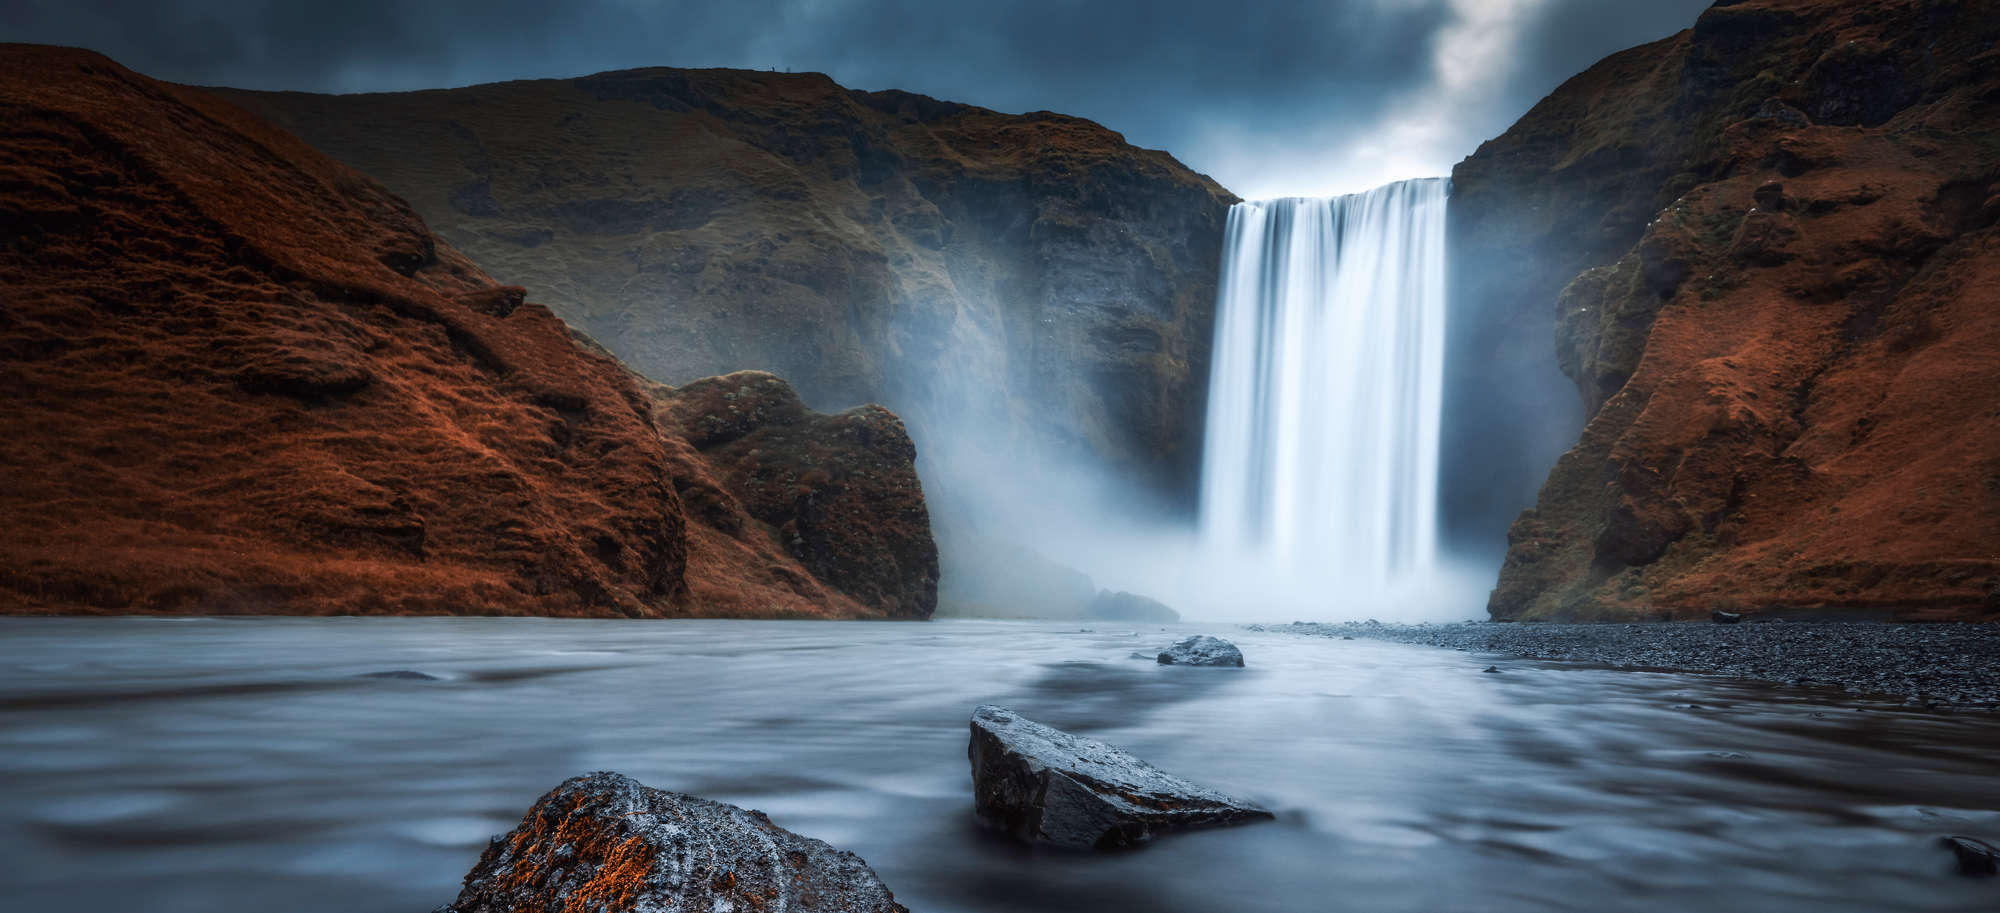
1041	784
605	842
401	674
1976	858
1202	650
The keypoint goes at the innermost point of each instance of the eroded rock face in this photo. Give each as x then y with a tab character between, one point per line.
1123	606
605	842
1032	275
1202	650
241	377
838	493
1044	785
1774	240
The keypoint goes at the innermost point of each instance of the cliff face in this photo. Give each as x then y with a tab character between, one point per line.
1774	239
241	377
1029	278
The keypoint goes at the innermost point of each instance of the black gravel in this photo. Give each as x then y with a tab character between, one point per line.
1933	665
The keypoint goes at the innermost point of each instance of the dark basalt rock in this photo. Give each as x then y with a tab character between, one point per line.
1202	650
1725	618
604	842
1976	858
1044	785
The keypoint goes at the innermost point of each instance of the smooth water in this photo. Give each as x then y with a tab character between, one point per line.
218	765
1321	458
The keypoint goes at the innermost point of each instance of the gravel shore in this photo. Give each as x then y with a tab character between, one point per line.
1932	665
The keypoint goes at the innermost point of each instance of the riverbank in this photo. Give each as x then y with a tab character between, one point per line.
1926	665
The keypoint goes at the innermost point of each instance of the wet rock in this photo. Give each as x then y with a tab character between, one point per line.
1041	784
1492	669
1724	618
401	674
1976	858
1202	650
605	842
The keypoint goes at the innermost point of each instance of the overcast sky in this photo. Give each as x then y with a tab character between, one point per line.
1271	98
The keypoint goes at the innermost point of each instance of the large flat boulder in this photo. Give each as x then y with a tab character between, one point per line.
607	843
1043	785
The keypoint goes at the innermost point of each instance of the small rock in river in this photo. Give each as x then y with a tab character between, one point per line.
605	842
405	674
1493	669
1724	618
1976	858
1042	784
1202	650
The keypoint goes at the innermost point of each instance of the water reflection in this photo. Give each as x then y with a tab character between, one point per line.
222	764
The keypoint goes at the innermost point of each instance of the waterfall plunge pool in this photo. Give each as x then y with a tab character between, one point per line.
214	765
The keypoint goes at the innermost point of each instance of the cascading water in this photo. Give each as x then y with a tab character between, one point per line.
1321	458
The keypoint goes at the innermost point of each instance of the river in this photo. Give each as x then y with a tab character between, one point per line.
241	764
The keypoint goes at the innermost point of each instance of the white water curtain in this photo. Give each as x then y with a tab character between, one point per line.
1321	457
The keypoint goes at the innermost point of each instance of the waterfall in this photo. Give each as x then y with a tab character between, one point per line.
1321	457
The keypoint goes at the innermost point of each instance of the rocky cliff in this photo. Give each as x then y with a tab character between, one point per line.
1766	251
1029	280
241	377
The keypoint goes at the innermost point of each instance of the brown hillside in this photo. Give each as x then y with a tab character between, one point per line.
1786	317
1031	278
240	377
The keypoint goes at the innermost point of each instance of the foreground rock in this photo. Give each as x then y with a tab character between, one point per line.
1202	650
606	843
1044	785
1976	858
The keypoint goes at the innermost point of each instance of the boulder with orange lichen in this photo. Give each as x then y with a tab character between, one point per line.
608	844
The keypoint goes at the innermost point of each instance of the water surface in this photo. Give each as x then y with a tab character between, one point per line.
217	765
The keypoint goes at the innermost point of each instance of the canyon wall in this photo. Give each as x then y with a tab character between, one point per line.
1765	251
1029	282
243	378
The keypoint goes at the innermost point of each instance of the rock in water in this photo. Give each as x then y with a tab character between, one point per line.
1045	785
605	842
1725	618
1202	650
1976	858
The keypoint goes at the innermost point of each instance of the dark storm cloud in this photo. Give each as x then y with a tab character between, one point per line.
1264	95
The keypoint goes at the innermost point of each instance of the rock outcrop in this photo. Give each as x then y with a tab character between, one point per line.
1202	650
1123	606
605	842
1043	785
839	492
1031	277
1774	239
242	378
